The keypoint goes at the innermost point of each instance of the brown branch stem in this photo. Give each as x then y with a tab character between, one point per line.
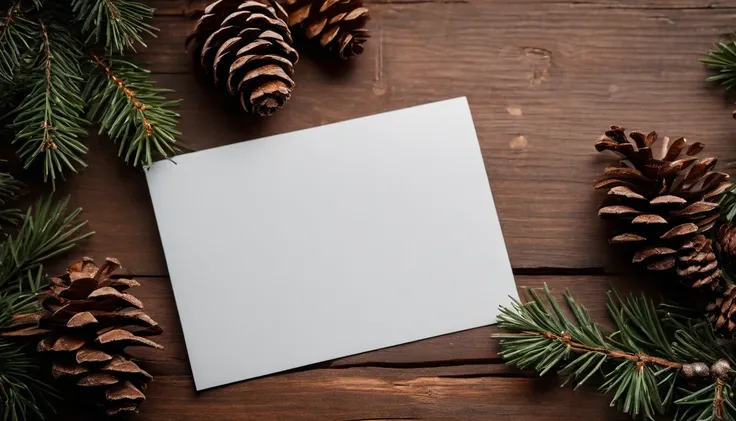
129	93
48	142
641	359
718	400
113	9
9	17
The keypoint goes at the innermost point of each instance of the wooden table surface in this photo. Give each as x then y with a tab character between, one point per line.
544	79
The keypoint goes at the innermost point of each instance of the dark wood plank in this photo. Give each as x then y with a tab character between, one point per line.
116	202
544	79
472	346
187	7
455	376
465	393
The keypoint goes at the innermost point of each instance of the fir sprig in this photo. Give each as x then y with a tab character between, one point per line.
43	46
120	24
50	119
9	190
646	363
132	111
16	38
722	60
23	394
47	230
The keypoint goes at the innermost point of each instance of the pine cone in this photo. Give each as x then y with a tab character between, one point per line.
338	25
245	46
726	240
722	311
87	321
662	207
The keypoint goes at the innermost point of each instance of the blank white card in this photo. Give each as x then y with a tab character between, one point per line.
322	243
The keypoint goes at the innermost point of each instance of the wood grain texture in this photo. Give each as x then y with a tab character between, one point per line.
544	79
458	376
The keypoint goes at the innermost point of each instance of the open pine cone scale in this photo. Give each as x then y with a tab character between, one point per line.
86	322
245	46
663	207
337	25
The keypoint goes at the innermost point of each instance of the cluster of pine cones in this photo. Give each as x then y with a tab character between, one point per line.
86	321
245	47
664	212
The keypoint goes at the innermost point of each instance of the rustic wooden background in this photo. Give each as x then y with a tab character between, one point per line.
544	79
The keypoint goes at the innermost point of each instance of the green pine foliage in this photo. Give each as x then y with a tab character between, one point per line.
23	392
49	121
124	99
722	60
58	87
119	24
643	363
47	229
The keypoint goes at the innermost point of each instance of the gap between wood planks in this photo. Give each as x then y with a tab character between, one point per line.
189	7
521	271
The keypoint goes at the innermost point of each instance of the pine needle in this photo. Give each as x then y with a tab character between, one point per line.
119	23
50	120
722	60
44	45
47	230
132	111
641	364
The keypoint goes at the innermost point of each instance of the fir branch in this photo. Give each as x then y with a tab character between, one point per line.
50	118
9	190
132	111
722	60
22	392
120	23
47	230
16	38
644	362
566	339
713	402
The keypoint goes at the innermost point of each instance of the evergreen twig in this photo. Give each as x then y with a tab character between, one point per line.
16	37
120	24
132	111
50	118
722	60
23	394
647	363
47	230
43	45
9	189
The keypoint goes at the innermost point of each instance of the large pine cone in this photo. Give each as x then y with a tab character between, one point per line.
87	321
338	25
722	311
245	46
662	208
